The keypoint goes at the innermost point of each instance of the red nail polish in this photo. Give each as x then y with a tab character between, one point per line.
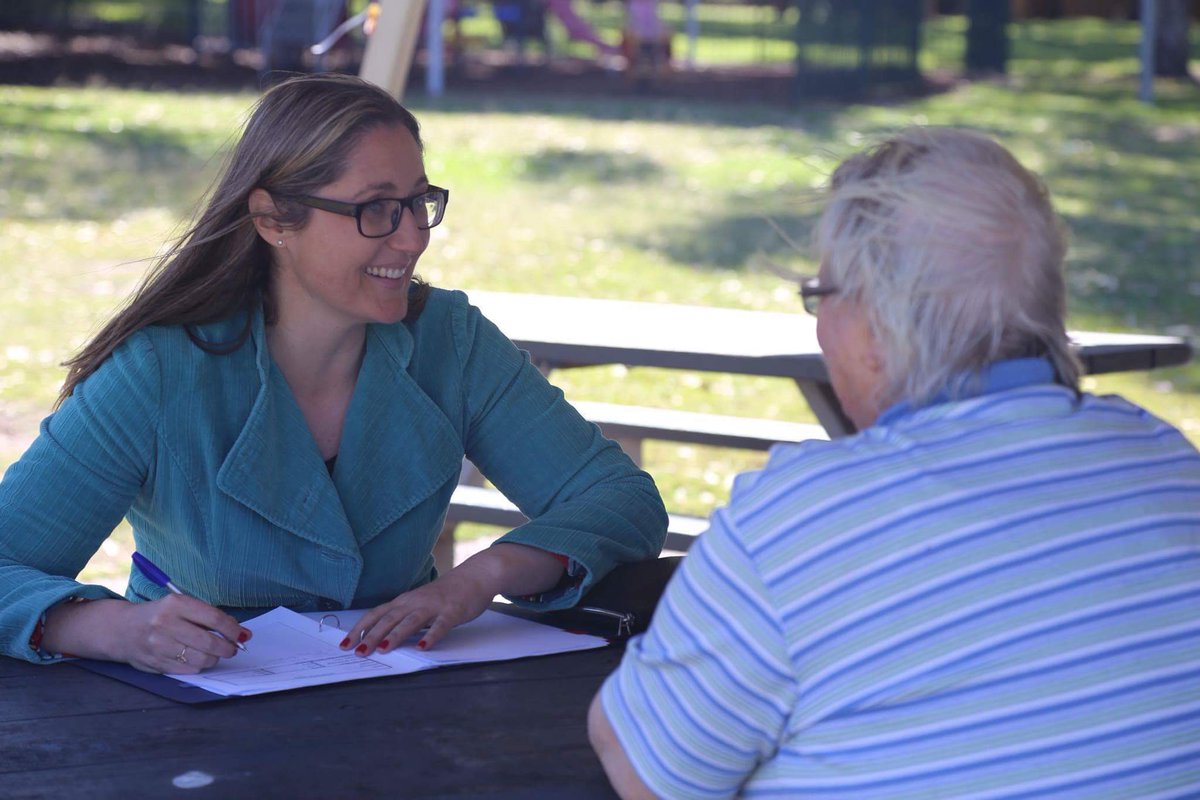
345	643
422	644
361	649
383	645
243	636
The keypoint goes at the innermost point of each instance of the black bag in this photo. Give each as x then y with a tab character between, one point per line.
621	604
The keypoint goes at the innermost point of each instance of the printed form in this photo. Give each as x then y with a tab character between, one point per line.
291	650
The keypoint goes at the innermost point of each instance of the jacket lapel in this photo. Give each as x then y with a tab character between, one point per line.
398	447
275	469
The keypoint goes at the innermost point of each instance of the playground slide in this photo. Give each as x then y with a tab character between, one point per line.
577	27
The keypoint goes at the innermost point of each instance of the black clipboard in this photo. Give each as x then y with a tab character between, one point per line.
161	685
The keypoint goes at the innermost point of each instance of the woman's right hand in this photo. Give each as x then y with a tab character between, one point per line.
170	635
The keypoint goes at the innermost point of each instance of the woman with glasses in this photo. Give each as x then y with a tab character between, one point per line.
281	411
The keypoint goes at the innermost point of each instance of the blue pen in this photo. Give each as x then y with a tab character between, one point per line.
157	576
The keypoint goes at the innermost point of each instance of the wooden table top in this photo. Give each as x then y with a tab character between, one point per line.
513	729
575	331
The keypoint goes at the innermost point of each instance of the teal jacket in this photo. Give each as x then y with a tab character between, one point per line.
212	462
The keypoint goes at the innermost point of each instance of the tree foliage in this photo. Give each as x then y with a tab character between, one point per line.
160	19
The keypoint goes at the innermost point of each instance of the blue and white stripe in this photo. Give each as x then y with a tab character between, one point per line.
995	597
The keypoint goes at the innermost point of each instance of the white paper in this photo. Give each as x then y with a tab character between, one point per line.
492	636
291	650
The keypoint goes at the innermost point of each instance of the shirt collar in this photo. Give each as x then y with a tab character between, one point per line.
999	376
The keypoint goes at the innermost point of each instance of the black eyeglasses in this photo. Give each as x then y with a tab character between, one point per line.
381	217
812	293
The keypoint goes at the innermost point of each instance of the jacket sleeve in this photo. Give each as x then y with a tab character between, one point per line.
585	498
69	490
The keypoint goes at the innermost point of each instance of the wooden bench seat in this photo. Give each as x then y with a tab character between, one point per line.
489	507
629	425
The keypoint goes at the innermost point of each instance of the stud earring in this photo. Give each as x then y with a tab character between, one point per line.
279	242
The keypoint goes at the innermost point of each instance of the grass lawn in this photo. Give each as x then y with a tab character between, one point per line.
623	198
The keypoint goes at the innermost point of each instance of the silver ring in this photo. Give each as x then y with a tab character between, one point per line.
182	657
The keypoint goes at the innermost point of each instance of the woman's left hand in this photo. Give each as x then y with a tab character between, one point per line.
459	596
449	601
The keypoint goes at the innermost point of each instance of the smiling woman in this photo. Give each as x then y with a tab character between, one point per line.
281	412
333	270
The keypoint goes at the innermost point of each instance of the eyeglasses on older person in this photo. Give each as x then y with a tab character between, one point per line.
812	292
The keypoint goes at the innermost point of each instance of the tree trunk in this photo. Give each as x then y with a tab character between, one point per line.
987	36
1171	42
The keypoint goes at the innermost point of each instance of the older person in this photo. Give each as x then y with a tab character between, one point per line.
991	590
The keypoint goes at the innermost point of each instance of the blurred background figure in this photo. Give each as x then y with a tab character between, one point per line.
646	43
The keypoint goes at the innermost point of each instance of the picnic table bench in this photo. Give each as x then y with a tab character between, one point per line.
490	507
632	425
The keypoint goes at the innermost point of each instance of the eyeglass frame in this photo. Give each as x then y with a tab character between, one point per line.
812	293
356	209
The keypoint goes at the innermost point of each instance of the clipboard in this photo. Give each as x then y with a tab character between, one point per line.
161	685
297	657
620	605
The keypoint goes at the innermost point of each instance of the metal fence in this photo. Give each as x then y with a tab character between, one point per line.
851	46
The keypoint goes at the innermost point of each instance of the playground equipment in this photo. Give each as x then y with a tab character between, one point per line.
364	19
288	27
577	27
521	21
646	42
391	45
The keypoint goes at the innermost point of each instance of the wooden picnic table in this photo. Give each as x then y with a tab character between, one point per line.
514	729
563	332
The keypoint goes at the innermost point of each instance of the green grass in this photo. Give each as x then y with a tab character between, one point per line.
624	198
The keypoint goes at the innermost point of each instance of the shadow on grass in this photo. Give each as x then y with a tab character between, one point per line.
1088	41
1136	276
765	101
591	166
735	241
111	172
1127	274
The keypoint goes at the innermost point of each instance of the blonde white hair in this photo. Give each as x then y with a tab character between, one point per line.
956	254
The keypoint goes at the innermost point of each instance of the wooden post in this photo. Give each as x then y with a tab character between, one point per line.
434	48
692	26
390	49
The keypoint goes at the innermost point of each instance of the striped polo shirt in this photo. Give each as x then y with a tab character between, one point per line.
991	597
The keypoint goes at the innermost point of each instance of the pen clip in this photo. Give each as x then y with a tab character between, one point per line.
624	619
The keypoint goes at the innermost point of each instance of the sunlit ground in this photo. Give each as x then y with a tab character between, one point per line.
623	198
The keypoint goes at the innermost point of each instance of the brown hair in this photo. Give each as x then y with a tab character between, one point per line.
298	139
